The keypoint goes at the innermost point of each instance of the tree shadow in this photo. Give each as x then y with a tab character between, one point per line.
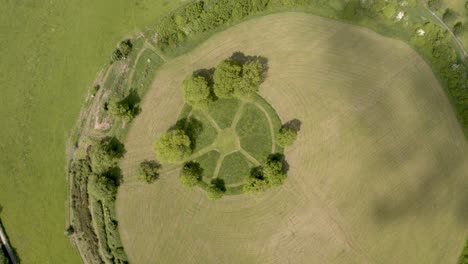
192	127
294	124
115	146
219	183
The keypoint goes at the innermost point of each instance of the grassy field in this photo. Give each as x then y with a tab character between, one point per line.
376	175
51	51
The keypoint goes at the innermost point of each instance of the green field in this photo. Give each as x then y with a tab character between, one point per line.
376	175
51	52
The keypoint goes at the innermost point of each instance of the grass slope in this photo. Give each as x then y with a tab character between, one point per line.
51	51
376	175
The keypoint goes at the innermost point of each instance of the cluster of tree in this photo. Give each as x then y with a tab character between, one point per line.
173	146
126	108
122	51
148	171
436	45
271	174
201	16
231	78
191	176
103	181
240	80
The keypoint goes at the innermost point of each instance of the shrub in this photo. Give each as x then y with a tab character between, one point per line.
458	28
173	146
106	154
271	174
148	171
191	174
214	192
286	136
196	92
122	51
449	15
102	187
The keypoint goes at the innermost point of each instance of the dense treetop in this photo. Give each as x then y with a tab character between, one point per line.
173	146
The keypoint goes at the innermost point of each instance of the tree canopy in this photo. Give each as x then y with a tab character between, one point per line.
286	136
105	154
196	92
148	171
173	146
271	174
226	78
122	108
191	174
232	79
214	192
102	187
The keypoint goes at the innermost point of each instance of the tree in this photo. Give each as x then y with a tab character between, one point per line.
449	15
458	28
106	154
251	77
434	4
148	171
226	78
286	136
191	174
273	172
122	108
173	146
196	92
122	51
214	192
102	187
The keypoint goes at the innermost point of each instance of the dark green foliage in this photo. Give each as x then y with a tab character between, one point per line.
271	174
458	28
105	154
80	169
68	231
434	4
226	78
196	92
191	174
126	108
201	16
148	171
449	15
102	187
122	51
286	136
173	146
235	79
3	258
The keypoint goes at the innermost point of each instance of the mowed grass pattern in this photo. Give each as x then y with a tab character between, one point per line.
377	174
223	111
235	169
254	132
